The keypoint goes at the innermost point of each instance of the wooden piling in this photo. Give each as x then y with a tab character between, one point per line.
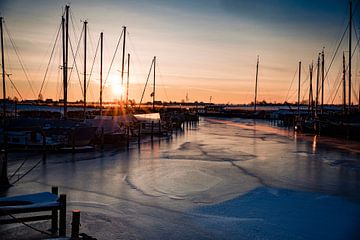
139	135
75	224
62	220
73	140
102	139
159	128
54	213
152	130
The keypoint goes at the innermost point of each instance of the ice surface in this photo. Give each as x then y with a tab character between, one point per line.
223	179
267	213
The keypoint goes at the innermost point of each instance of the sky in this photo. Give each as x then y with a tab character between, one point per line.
205	49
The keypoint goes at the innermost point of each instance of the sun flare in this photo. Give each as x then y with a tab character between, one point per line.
117	89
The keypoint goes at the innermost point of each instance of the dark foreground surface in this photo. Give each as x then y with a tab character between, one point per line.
221	179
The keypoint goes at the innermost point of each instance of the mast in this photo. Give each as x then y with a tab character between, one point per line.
256	81
127	83
154	84
65	25
101	69
3	69
344	85
317	86
4	181
322	79
85	30
311	90
350	38
299	88
123	61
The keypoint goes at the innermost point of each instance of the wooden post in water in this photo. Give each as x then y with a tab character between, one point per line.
62	222
101	70
159	127
139	134
85	33
256	82
127	136
299	88
43	146
73	140
102	139
54	213
75	224
152	130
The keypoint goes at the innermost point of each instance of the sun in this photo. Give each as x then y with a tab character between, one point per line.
117	89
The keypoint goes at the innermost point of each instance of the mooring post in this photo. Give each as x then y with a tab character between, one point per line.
102	139
62	224
73	140
159	127
152	130
127	136
44	147
139	134
54	213
75	224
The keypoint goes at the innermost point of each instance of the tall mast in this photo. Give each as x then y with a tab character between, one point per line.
154	84
65	25
311	90
127	83
322	79
317	85
299	88
256	81
101	69
3	69
350	38
85	30
123	61
4	181
344	85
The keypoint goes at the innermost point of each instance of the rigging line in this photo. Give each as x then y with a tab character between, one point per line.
19	59
337	49
340	83
27	172
12	83
76	68
74	62
92	66
161	75
337	79
18	169
113	58
51	55
147	79
346	69
287	95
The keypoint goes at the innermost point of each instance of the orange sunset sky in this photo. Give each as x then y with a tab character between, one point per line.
204	48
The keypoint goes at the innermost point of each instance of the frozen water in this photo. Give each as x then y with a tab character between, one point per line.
222	179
